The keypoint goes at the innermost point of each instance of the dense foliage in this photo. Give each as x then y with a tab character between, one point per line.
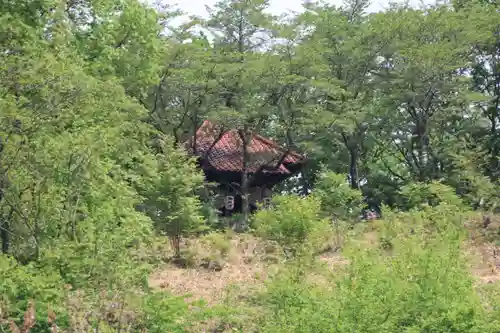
398	111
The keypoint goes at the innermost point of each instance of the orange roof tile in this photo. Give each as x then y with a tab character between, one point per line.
223	151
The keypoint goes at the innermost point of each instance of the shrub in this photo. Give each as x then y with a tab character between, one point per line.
294	223
337	197
218	243
19	284
423	286
171	195
110	311
163	312
418	195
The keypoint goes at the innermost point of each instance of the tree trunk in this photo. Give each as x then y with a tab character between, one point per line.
5	229
353	168
245	202
4	223
352	147
305	184
4	236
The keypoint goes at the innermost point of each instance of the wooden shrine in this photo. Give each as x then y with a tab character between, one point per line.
220	155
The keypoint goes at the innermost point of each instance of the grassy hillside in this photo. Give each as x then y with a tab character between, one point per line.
432	270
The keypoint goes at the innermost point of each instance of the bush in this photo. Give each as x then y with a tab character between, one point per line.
109	311
19	284
418	195
165	313
218	243
423	286
294	223
171	195
337	197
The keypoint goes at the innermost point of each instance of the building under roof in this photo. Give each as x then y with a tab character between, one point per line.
220	155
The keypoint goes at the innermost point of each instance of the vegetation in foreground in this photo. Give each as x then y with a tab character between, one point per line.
413	270
397	110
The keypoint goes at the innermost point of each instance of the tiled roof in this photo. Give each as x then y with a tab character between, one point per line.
223	151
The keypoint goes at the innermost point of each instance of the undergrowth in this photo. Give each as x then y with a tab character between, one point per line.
414	276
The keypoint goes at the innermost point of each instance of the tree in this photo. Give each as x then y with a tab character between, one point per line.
240	28
486	76
187	88
70	138
349	44
170	190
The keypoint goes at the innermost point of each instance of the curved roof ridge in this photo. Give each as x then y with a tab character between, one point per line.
258	137
221	149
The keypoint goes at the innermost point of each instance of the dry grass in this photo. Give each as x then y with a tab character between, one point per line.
250	261
248	265
482	251
333	260
211	286
245	265
370	239
485	263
